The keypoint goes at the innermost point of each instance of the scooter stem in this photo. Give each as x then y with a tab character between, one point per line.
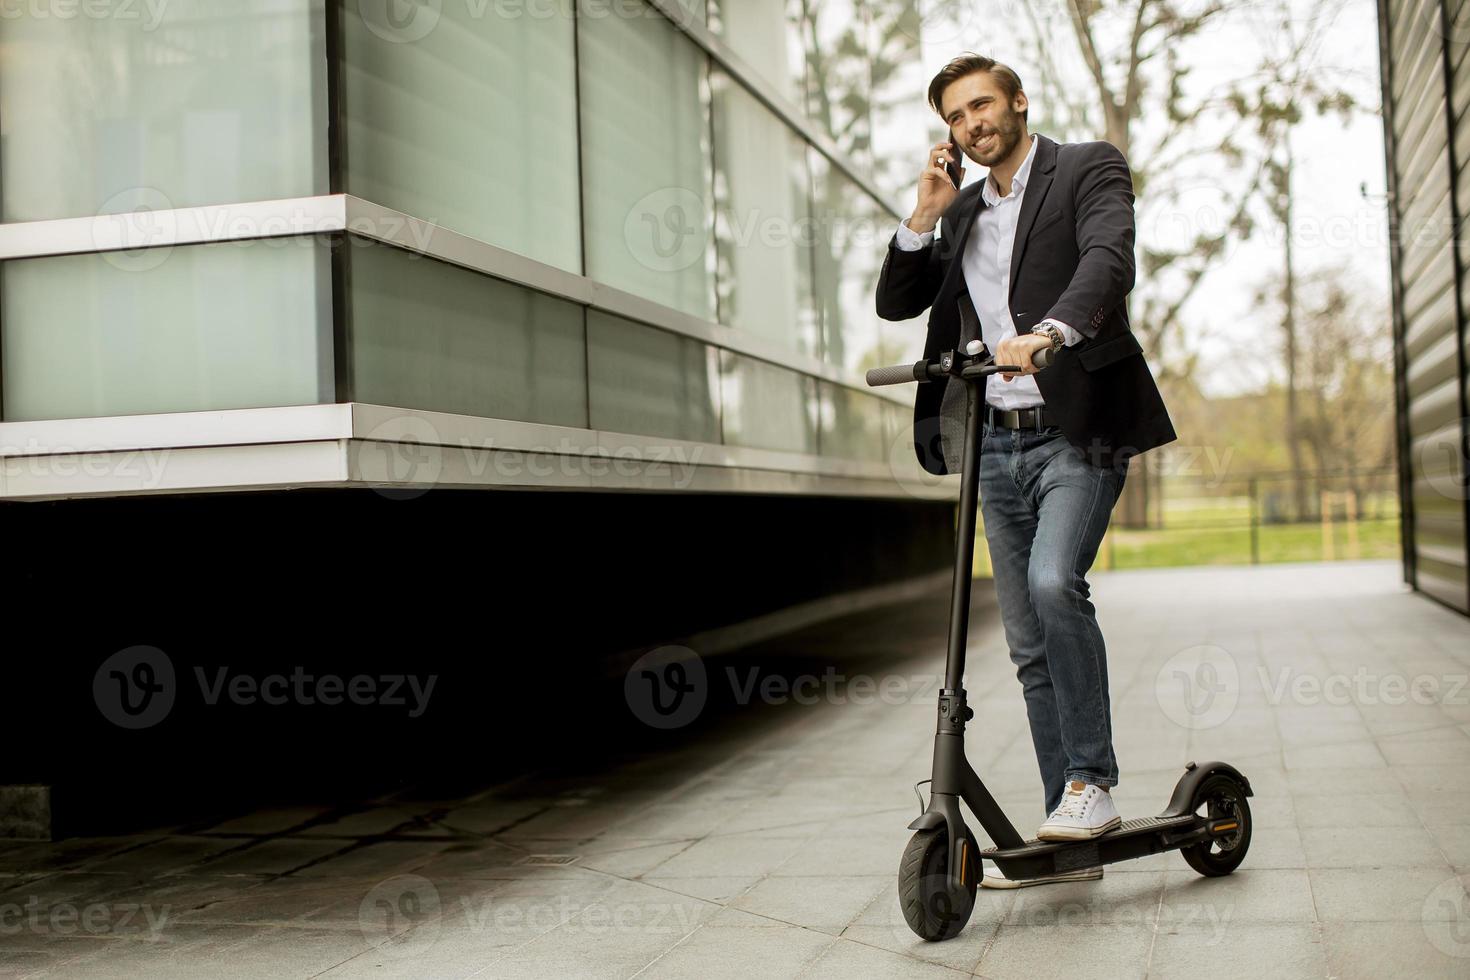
964	562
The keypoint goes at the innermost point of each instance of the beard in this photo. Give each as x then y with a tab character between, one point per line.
1007	135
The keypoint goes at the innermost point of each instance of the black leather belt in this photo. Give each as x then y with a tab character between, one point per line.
1019	418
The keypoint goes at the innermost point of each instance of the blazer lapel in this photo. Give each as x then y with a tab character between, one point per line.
954	241
965	220
1041	177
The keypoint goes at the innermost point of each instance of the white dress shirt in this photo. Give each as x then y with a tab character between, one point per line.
987	268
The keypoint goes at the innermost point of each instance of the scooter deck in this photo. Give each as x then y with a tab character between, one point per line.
1131	839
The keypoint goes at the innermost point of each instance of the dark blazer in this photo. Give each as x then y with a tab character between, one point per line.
1073	260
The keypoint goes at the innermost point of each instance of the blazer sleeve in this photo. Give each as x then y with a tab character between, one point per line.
1105	234
909	281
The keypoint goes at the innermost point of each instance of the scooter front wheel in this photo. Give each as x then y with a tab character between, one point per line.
932	909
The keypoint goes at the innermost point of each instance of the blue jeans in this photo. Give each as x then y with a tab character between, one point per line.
1045	509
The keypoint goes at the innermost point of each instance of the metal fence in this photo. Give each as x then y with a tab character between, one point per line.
1262	517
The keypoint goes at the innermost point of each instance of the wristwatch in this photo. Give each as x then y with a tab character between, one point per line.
1050	331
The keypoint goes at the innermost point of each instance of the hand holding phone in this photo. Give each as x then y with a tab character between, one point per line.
938	186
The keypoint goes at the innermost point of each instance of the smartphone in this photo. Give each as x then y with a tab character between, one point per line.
953	167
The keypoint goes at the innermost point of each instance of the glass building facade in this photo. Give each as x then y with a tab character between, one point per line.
656	218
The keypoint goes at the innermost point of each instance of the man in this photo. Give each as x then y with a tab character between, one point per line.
1038	255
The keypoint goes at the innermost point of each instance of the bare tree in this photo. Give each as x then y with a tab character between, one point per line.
1287	87
1345	376
1135	56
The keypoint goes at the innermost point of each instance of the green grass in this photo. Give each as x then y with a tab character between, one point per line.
1229	546
1193	545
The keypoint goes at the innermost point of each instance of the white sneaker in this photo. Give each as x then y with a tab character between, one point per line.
994	879
1085	812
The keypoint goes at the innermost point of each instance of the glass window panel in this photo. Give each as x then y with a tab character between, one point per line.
429	335
902	122
898	423
766	406
763	224
852	424
470	124
851	235
838	78
766	34
189	329
179	104
696	9
649	381
646	161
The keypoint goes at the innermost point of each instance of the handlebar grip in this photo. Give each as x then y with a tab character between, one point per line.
1043	358
896	375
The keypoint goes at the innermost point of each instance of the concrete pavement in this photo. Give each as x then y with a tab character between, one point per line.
764	839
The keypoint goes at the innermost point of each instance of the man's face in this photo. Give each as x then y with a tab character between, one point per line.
981	121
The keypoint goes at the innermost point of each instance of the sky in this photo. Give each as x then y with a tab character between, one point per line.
1333	222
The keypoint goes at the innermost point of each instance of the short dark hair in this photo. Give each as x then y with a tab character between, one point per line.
968	64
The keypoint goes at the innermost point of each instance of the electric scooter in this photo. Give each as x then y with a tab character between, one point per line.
1207	818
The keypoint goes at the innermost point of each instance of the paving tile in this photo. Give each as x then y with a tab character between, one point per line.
848	958
35	857
1247	895
722	856
961	953
1251	949
1382	847
1360	810
628	859
272	857
721	889
735	953
376	860
492	859
1374	950
1383	894
166	855
1454	841
825	904
267	821
1362	753
1115	899
625	930
1067	951
1446	746
1440	808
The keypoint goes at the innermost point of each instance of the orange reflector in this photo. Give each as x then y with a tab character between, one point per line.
1225	826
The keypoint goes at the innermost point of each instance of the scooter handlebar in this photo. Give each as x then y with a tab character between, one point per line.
897	374
922	370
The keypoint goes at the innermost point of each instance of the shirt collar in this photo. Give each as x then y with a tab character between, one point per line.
1018	182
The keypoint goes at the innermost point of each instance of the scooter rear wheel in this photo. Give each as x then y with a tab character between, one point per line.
932	910
1221	798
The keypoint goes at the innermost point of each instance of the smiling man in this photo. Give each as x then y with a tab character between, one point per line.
1039	254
